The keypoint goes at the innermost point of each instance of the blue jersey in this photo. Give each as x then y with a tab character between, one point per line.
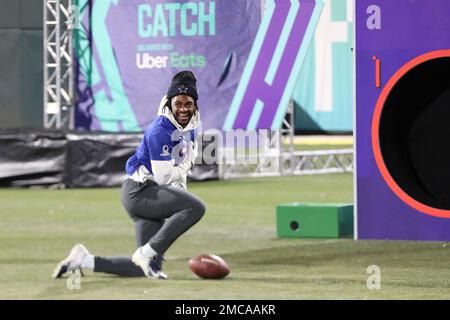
162	142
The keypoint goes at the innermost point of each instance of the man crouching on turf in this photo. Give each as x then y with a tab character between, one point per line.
154	193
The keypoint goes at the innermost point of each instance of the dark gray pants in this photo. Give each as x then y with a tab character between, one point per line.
160	213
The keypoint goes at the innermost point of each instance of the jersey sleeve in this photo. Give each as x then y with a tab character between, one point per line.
160	145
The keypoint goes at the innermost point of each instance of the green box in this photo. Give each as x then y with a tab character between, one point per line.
314	220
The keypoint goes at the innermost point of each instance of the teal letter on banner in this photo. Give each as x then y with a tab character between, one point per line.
172	8
145	30
207	18
159	23
185	31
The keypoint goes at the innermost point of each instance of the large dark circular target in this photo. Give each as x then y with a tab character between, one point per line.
411	133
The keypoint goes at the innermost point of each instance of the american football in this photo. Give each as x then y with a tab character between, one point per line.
209	266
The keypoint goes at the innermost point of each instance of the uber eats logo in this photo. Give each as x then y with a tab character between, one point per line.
170	20
145	60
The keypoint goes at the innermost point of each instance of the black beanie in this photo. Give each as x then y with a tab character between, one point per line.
183	82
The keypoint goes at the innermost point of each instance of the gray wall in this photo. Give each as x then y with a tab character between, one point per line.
21	63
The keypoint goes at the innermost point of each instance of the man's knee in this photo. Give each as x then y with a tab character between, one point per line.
198	209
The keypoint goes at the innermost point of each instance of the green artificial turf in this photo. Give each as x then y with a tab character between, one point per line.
38	228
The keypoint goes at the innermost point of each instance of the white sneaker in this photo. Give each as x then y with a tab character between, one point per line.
144	262
73	261
162	275
156	265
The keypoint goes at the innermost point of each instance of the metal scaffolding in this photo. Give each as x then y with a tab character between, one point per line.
59	21
279	158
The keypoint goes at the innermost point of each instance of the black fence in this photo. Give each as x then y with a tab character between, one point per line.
72	159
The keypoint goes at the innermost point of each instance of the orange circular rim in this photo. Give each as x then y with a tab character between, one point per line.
435	212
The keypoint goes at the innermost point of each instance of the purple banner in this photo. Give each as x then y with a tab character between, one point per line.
246	56
129	50
274	64
401	47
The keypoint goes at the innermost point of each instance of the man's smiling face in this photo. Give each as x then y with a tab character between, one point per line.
183	108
